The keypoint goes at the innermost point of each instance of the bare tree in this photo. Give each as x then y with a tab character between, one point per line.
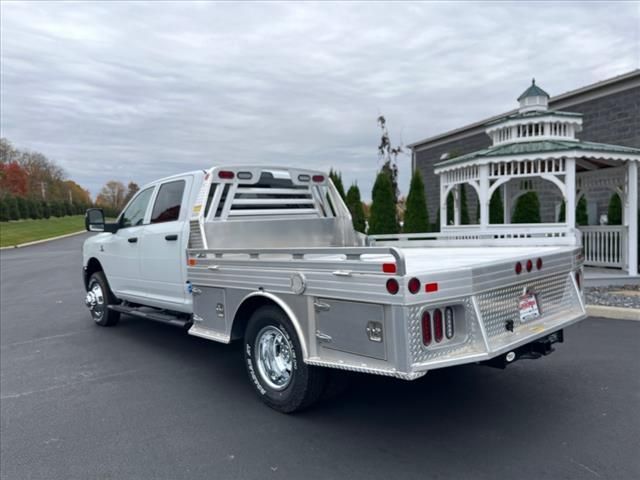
389	155
112	195
132	189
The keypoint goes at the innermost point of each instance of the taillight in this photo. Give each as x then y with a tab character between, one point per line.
389	267
426	328
225	174
448	322
318	178
539	264
529	265
431	287
392	286
518	268
414	285
437	325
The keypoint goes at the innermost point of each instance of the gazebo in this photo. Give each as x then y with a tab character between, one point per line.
536	149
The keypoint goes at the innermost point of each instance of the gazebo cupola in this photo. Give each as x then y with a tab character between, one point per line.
534	121
533	99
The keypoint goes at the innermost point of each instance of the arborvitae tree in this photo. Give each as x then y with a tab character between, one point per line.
416	216
354	204
383	217
464	210
23	208
44	207
4	210
614	213
436	226
496	208
34	209
582	217
336	178
527	209
54	209
12	208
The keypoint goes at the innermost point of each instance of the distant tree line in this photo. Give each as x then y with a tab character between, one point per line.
32	186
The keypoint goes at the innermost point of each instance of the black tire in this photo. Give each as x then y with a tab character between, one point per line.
305	383
103	316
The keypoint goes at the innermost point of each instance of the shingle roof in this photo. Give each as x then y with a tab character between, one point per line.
521	148
533	91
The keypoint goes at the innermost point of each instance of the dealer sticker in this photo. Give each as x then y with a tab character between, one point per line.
528	307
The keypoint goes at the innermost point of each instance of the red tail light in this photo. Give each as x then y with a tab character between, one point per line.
392	286
225	174
318	178
518	268
389	267
529	265
431	287
539	264
426	328
437	325
414	285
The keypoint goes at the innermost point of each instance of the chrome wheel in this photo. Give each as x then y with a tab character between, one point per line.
94	300
274	357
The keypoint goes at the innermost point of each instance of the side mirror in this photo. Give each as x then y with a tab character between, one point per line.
94	220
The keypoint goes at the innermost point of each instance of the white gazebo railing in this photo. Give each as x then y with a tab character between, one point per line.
605	246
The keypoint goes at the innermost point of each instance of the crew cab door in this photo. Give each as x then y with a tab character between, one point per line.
120	253
164	244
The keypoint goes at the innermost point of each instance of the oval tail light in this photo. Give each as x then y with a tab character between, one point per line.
414	285
529	265
539	264
437	325
225	175
518	268
426	328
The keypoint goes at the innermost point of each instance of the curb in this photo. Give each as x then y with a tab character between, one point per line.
44	240
618	313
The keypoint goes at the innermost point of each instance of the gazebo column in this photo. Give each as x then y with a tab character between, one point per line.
570	186
456	205
632	216
443	206
506	203
483	199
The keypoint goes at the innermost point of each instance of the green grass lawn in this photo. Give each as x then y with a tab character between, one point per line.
22	231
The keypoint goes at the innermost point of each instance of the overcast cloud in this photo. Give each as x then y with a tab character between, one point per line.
136	91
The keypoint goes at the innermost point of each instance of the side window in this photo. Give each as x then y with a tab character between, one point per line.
167	205
134	214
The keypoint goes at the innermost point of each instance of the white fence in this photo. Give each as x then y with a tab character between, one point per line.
605	246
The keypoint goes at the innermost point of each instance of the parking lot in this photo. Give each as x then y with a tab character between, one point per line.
145	400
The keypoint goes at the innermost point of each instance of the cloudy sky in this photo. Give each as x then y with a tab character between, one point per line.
136	91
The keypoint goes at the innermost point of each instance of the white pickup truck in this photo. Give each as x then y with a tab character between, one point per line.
268	256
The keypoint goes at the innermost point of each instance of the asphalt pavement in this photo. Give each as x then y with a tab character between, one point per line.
144	400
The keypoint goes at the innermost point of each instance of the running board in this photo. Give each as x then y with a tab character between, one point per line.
153	315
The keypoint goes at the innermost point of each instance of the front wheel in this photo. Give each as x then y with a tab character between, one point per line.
98	299
273	357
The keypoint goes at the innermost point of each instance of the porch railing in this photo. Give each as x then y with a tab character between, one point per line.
604	245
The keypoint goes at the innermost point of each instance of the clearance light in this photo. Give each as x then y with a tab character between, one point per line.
225	174
192	262
518	268
318	178
392	286
389	268
431	287
539	264
414	285
426	328
437	325
448	322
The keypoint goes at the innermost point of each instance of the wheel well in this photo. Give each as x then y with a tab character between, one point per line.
243	314
93	266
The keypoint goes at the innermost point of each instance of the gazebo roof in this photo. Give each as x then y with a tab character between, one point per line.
533	91
534	114
540	146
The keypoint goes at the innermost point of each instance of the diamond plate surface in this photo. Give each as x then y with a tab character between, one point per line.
195	238
457	346
555	295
